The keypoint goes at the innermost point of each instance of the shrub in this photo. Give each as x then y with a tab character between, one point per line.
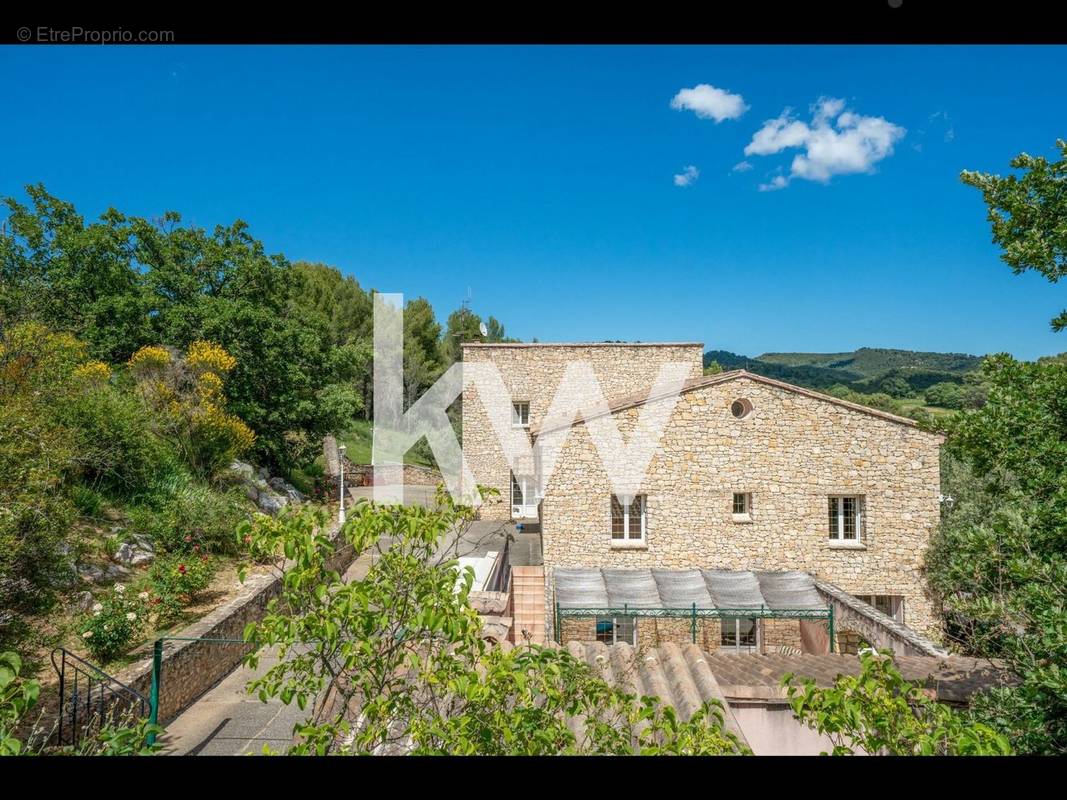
113	625
86	501
184	514
186	396
176	582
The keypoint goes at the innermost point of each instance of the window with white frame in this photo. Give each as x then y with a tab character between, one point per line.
628	518
742	504
613	630
739	634
892	605
846	518
520	415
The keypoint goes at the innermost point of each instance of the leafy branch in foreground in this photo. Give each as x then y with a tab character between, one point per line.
394	661
878	712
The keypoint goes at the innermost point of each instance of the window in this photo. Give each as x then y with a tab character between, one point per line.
741	407
891	605
520	415
740	634
742	503
523	496
613	630
628	518
846	519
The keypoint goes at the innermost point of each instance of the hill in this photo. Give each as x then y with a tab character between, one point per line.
863	370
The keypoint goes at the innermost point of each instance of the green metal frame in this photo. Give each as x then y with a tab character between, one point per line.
157	671
693	614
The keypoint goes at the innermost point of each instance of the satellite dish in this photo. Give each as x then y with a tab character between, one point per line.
483	329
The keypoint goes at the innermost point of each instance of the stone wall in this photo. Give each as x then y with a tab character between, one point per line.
655	631
532	373
790	452
190	668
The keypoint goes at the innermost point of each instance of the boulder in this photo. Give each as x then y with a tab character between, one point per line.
287	489
116	571
133	555
264	473
83	601
242	470
271	503
90	573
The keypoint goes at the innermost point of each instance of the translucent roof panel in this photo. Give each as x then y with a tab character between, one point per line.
595	588
733	589
580	588
785	590
632	587
681	588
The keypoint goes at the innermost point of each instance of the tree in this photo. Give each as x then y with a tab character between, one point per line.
945	394
998	560
895	386
878	712
713	368
400	656
1028	215
462	327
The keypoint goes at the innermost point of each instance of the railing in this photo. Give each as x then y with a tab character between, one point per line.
90	699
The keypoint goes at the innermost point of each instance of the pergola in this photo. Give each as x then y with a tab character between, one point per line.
691	594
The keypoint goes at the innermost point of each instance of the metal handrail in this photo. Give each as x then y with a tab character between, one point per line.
110	689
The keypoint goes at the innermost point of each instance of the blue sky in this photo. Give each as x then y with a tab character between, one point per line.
542	178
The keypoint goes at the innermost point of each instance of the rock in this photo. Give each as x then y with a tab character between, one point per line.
242	469
133	555
116	571
251	492
264	473
271	503
284	488
83	601
90	573
144	543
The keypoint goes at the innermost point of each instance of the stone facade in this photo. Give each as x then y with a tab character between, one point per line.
532	374
792	451
655	631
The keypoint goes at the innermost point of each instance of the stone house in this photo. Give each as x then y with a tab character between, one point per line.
751	475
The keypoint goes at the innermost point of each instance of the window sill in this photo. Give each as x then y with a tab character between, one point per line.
747	518
847	546
631	544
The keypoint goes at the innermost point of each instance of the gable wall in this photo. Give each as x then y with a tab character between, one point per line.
790	453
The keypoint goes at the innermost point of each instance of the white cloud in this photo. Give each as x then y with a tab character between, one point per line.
835	142
707	102
778	182
742	166
687	176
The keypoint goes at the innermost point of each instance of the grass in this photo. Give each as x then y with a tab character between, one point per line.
359	440
909	403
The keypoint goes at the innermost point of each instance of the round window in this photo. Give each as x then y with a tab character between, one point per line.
741	408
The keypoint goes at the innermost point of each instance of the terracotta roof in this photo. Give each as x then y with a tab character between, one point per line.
692	384
758	677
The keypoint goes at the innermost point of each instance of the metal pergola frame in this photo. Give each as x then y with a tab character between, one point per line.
693	613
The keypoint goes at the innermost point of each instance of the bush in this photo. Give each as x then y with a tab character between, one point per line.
176	582
113	625
86	501
181	513
112	434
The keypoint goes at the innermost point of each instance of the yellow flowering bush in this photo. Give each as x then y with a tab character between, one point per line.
149	358
187	394
208	357
93	372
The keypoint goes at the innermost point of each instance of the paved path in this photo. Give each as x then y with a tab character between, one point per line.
227	720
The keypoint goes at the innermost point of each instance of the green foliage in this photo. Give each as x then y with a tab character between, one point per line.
177	580
712	367
1028	215
878	712
112	625
17	696
998	561
400	653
